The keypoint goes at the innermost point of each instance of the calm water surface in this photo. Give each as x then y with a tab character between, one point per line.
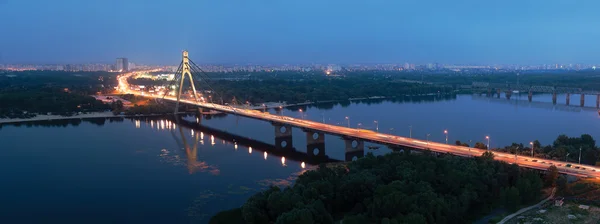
154	171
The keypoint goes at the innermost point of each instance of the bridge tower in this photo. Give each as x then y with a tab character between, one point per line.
185	71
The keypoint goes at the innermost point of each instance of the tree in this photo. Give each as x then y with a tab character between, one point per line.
551	175
480	145
513	199
487	156
562	185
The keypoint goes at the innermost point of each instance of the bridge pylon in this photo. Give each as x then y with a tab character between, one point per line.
185	71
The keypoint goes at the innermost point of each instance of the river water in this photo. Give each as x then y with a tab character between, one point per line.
154	170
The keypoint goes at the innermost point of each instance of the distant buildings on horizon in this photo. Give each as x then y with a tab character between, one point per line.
122	65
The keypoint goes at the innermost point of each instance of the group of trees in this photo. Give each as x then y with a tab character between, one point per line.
24	94
310	88
397	188
23	104
587	80
563	148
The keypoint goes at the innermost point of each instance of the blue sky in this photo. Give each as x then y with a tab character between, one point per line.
301	31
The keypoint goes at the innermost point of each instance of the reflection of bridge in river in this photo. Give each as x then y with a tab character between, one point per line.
533	104
287	152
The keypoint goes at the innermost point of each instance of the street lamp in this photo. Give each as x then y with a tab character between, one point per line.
301	114
410	131
446	133
348	119
579	155
531	143
323	115
376	126
358	125
428	140
566	157
488	140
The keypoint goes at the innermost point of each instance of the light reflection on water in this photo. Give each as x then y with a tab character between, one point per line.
183	177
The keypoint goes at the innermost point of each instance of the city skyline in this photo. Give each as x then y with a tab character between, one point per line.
337	32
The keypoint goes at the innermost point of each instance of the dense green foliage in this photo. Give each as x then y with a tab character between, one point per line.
587	80
49	91
562	146
313	88
44	100
397	188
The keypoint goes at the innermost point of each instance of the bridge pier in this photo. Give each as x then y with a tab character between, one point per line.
283	136
508	94
354	148
315	143
530	96
568	98
582	100
554	98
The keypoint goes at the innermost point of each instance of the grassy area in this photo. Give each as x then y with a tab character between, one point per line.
568	213
582	192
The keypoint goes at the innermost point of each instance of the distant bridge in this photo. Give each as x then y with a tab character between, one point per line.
508	89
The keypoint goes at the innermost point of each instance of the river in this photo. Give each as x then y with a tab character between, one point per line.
153	170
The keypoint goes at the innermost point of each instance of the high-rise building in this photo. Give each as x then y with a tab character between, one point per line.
122	65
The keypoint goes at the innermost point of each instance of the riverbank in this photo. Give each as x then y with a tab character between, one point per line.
58	117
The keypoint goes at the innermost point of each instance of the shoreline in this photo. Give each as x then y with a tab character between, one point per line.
58	117
80	116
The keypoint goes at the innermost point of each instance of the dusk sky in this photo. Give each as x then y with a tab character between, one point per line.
301	31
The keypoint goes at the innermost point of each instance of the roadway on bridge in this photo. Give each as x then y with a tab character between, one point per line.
367	135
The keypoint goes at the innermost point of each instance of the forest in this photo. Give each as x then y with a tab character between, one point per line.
304	88
51	91
396	188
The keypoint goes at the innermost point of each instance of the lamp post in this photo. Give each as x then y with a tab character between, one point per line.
428	140
531	143
446	133
410	131
488	140
376	126
579	155
566	157
301	114
348	119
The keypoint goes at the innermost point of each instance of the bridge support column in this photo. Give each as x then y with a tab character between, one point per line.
283	136
354	148
582	100
554	98
568	98
530	96
508	94
315	143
